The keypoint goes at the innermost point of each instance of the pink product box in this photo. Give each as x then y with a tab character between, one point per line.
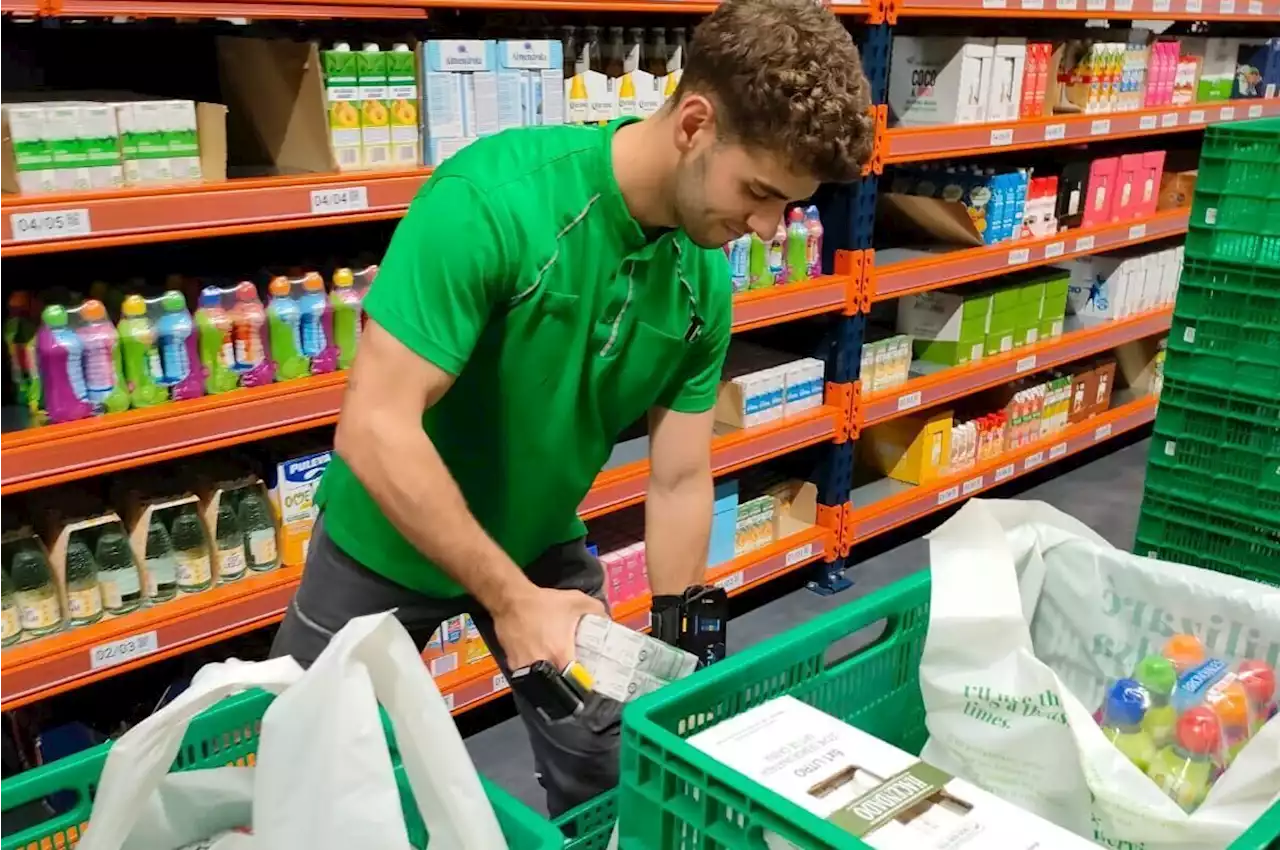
1152	169
635	582
1128	191
1103	181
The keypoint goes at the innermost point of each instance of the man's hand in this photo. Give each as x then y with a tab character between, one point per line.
540	625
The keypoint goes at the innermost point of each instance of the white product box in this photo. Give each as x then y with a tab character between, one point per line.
62	129
530	82
1097	289
33	156
940	80
179	117
1008	66
460	93
887	798
804	385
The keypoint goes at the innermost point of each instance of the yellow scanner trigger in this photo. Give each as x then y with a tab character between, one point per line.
578	674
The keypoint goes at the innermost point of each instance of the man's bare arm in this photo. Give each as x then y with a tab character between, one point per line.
678	507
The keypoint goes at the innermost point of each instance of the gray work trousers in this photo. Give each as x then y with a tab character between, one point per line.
575	759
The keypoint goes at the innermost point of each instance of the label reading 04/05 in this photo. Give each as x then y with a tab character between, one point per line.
1057	451
119	651
949	495
973	485
1005	472
800	553
54	224
341	200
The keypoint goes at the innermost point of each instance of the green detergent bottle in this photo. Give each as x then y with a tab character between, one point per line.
284	322
140	356
347	316
213	336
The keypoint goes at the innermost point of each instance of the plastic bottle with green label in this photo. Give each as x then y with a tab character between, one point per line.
347	316
230	543
84	595
39	610
117	573
758	264
141	354
797	255
162	566
259	531
12	622
191	551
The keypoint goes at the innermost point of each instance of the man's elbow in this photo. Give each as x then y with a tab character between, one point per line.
351	438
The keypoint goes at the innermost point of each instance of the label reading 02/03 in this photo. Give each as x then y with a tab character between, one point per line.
119	651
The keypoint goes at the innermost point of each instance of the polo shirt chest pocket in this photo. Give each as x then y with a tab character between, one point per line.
638	358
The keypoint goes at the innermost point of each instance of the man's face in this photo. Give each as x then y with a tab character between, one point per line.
724	190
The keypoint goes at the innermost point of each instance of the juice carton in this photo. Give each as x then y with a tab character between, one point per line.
375	112
342	96
159	350
78	356
402	94
300	327
182	138
62	129
292	485
144	141
347	310
231	328
100	144
32	151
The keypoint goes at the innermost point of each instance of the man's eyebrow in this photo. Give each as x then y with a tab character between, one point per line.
770	190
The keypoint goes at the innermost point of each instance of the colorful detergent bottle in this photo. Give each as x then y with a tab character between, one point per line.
796	256
1184	768
1156	674
777	257
284	326
19	331
740	262
813	241
216	348
316	326
174	330
103	374
140	354
1122	714
348	315
61	358
758	264
249	336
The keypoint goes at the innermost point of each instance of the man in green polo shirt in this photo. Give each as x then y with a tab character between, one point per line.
548	287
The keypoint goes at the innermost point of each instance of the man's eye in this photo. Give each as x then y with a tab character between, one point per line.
758	195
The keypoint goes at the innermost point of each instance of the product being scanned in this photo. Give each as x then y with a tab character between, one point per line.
626	664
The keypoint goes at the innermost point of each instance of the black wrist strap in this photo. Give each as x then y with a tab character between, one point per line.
666	619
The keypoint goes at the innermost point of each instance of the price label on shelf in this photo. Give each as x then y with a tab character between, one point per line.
1033	5
994	4
731	582
1226	7
1055	132
1196	117
1124	5
973	485
120	651
448	701
1002	137
949	495
1160	5
1084	243
1169	119
1227	113
1255	111
54	224
1005	472
1095	5
1255	7
1057	451
1054	249
798	554
1102	432
1018	256
1195	6
340	200
500	682
1138	231
908	401
1033	461
1066	5
1026	364
1147	122
1100	127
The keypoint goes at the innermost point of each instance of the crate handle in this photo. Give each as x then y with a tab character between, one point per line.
64	776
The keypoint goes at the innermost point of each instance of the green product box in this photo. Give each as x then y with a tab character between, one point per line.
375	107
1002	328
342	101
1055	299
948	328
1050	328
24	126
1006	297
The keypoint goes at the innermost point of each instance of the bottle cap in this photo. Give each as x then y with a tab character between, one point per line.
93	310
173	301
55	316
246	291
1156	674
279	286
1198	731
343	277
1231	704
210	297
1125	704
1184	651
1258	680
796	214
313	282
133	306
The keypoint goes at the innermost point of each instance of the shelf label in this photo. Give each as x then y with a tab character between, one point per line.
345	199
1100	127
949	495
1227	113
1169	119
908	401
731	583
448	701
1005	472
1084	243
1160	5
1147	122
1018	256
55	224
1194	6
1102	432
1026	364
1138	231
1000	138
1196	117
1033	4
1033	461
1055	132
500	682
1054	249
1070	5
1124	5
1095	5
1057	451
1227	7
798	554
973	485
1255	7
994	4
1255	111
1211	215
119	651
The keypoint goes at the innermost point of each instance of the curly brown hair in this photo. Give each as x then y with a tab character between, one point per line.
786	78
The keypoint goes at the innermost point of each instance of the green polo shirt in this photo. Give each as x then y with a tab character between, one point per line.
519	270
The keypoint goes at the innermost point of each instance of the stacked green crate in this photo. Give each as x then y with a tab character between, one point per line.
1213	477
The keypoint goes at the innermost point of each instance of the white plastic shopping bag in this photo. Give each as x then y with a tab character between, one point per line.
1032	613
323	778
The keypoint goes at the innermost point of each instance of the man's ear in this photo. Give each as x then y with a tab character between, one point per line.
695	122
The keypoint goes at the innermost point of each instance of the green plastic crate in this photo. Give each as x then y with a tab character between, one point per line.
226	734
1226	337
589	826
672	797
1235	214
1188	532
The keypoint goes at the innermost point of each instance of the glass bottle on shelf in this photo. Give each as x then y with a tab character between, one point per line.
12	622
231	560
84	594
259	531
39	610
194	572
117	573
162	566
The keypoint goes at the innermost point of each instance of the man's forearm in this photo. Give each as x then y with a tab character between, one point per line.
400	467
677	524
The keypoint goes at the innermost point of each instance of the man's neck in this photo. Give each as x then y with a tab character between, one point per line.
643	162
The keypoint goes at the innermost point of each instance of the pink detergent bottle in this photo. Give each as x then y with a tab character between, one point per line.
60	356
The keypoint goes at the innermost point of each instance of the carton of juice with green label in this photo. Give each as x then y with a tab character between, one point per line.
342	96
375	112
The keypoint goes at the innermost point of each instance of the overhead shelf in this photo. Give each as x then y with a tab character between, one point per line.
1163	10
57	663
364	9
888	280
914	144
912	503
948	384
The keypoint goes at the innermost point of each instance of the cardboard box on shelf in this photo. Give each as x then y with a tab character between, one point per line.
1138	364
261	546
1104	175
940	79
912	449
1176	189
796	506
460	94
83	604
1084	389
724	523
